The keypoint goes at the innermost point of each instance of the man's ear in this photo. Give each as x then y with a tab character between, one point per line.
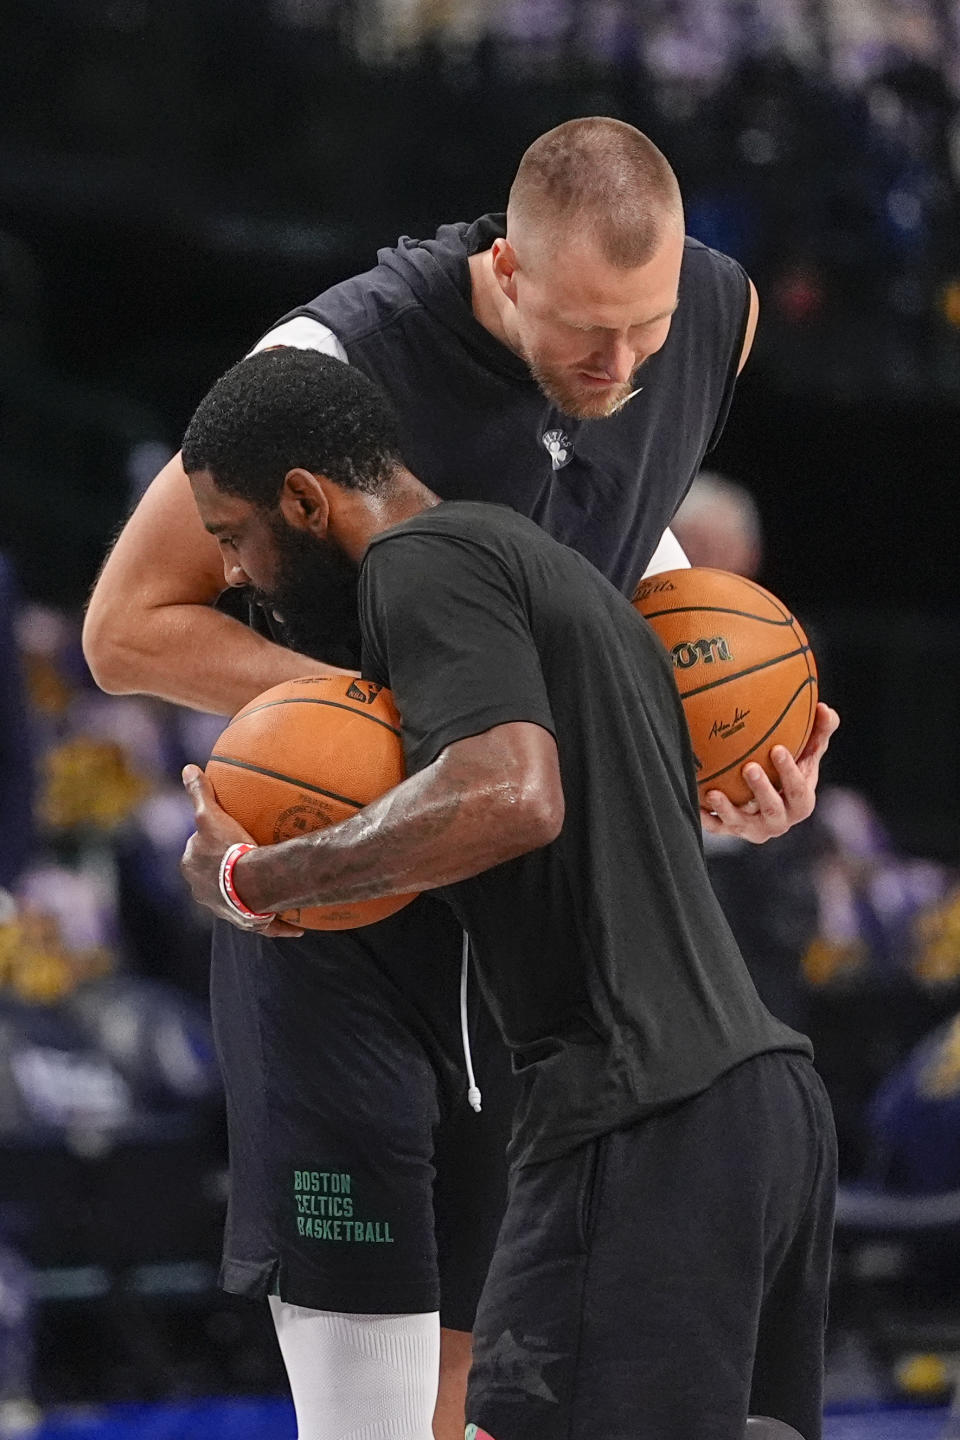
303	502
504	260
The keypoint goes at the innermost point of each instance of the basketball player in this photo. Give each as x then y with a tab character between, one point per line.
663	1261
575	361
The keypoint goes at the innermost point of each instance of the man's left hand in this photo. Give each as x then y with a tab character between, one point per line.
200	865
773	812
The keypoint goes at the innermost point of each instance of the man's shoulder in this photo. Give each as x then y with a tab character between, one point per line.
711	272
712	315
359	306
697	254
441	539
411	278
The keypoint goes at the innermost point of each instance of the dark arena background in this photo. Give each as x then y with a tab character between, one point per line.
177	174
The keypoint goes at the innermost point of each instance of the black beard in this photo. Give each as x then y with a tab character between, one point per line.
314	597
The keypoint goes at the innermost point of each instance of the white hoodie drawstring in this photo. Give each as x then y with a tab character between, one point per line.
473	1090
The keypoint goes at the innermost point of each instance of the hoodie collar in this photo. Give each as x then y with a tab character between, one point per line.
437	272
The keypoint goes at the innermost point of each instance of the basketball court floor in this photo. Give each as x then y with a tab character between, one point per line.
273	1420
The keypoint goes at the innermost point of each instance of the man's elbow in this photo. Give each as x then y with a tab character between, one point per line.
508	781
539	812
104	651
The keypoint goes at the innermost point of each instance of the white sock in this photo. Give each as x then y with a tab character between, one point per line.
360	1377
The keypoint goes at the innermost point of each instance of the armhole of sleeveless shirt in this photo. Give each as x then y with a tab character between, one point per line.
302	333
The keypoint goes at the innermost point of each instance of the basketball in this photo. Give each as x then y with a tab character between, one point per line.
304	755
743	666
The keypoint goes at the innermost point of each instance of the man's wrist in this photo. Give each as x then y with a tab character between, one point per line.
252	879
232	890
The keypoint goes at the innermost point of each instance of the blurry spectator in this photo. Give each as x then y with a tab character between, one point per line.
882	969
86	1048
719	523
114	816
878	909
914	1118
864	36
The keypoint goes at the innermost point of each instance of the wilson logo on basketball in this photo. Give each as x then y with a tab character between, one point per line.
363	690
691	652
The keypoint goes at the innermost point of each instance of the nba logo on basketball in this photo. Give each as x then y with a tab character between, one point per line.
364	690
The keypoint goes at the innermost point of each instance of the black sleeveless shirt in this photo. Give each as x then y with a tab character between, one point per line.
475	426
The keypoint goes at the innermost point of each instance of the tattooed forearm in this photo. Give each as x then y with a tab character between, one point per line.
484	801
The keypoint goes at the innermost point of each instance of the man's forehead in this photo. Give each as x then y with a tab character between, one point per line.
581	285
218	510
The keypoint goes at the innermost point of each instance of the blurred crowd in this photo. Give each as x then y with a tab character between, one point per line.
111	1151
699	40
817	142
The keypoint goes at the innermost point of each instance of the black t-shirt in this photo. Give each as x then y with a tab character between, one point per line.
604	956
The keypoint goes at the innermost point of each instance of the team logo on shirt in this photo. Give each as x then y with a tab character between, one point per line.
558	446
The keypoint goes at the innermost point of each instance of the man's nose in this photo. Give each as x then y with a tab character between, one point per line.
234	574
620	361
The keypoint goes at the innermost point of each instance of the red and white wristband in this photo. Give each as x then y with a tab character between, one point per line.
228	889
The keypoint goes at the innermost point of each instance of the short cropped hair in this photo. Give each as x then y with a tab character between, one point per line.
288	409
603	179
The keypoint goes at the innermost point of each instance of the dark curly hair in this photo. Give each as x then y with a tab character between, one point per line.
285	409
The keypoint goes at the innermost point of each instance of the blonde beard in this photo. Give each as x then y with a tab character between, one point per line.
580	405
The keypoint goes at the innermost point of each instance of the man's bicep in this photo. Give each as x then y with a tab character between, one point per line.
163	554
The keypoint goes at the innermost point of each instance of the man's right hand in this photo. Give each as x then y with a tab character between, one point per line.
773	811
150	626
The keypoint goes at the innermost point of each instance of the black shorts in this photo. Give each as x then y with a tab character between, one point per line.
666	1280
360	1178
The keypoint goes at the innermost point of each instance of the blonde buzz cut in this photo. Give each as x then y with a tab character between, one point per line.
598	180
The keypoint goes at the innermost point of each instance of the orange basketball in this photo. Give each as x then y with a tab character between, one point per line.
743	666
304	755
